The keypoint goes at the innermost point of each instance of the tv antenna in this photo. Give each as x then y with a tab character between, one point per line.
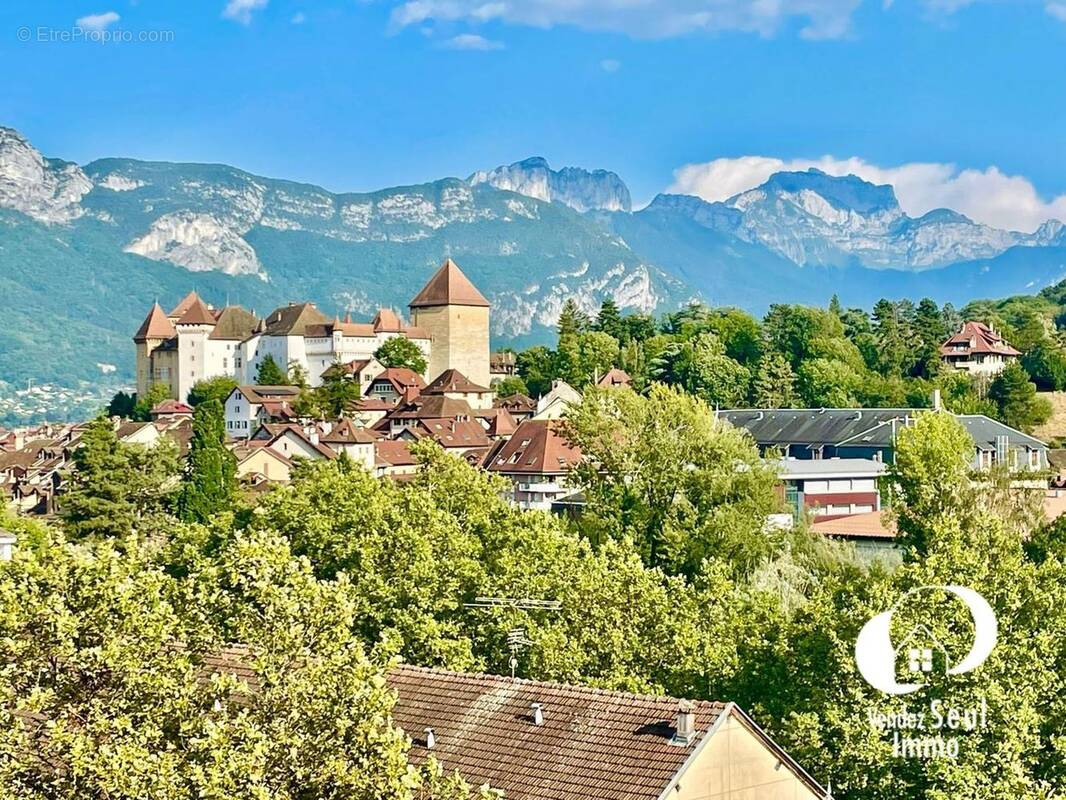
516	637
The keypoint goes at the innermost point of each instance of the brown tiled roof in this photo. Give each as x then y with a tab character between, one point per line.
449	287
615	377
198	314
155	326
374	404
234	323
393	453
400	378
266	394
871	525
501	423
516	402
435	406
978	338
455	433
347	432
452	380
386	321
293	320
536	447
171	406
183	305
592	745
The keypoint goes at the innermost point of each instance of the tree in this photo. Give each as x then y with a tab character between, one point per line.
609	320
399	351
103	646
511	385
572	320
269	373
582	357
1046	365
1016	400
211	470
664	471
892	337
297	375
702	368
112	485
217	388
930	333
774	384
536	366
122	405
156	394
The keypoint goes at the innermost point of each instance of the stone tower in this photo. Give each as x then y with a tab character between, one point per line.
155	330
455	315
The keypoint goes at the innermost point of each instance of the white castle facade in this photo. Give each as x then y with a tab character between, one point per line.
193	342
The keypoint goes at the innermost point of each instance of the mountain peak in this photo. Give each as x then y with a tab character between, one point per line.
848	191
46	189
579	188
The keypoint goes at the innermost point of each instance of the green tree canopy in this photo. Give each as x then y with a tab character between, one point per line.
217	388
399	351
270	373
211	469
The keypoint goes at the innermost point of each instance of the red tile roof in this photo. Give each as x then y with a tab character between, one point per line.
347	432
452	380
536	447
171	407
871	525
449	287
976	337
155	326
183	305
615	377
400	378
393	453
197	314
386	321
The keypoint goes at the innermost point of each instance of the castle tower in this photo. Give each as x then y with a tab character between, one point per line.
455	315
155	330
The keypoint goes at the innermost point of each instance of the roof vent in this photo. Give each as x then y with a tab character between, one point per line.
686	722
538	713
431	740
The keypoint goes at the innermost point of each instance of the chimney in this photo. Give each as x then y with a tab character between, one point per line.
431	740
686	722
937	404
538	713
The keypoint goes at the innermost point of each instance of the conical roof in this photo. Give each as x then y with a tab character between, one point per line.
183	305
197	314
449	287
155	326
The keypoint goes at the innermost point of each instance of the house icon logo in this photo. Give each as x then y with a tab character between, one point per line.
920	654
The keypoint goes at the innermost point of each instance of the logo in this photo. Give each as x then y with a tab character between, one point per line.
920	653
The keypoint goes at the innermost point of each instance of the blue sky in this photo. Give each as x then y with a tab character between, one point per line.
962	102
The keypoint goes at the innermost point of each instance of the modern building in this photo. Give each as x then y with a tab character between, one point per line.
977	349
831	488
194	341
870	433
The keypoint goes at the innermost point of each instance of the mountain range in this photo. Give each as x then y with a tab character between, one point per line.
85	249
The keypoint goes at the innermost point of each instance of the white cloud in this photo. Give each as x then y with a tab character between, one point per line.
988	195
97	22
658	19
241	10
471	41
610	65
299	18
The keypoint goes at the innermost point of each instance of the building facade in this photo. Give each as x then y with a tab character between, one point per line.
194	341
977	349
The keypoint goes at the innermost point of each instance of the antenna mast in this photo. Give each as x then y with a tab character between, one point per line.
516	637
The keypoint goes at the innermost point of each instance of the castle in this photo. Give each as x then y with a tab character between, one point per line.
193	342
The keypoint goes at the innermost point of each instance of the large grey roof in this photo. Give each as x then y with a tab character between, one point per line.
873	427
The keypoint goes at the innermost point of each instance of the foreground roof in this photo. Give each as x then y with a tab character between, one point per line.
449	287
593	743
536	447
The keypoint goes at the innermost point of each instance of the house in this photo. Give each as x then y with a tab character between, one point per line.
393	459
521	407
502	365
872	534
555	403
369	411
454	384
536	740
293	441
454	435
355	441
248	407
423	409
831	488
171	409
870	433
361	370
977	349
394	383
615	378
257	463
536	459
